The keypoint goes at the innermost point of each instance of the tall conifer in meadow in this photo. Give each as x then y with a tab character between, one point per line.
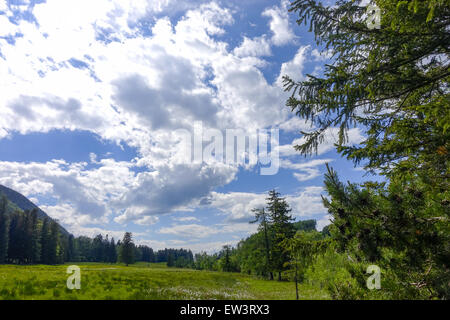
282	228
127	249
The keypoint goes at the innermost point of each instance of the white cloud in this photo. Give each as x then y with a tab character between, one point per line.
307	203
294	68
325	221
80	192
255	47
279	24
237	206
307	174
6	27
189	231
90	66
195	245
186	219
295	124
3	5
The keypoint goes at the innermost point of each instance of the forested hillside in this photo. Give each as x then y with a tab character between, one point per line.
27	237
19	201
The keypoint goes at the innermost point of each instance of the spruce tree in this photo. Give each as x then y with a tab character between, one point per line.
53	252
45	242
392	83
112	252
261	216
283	228
35	237
4	230
127	249
170	260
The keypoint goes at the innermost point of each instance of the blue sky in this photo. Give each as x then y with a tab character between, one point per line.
93	95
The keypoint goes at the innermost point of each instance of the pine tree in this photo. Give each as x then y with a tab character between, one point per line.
392	83
53	252
112	252
127	249
397	228
35	247
70	253
4	230
17	239
170	260
226	267
45	242
281	224
261	216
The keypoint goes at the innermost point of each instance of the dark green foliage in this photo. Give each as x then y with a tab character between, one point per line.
305	225
18	202
400	229
53	243
127	249
252	255
263	252
303	248
112	251
170	260
4	230
393	83
203	261
226	259
282	229
262	217
45	242
34	239
326	231
17	239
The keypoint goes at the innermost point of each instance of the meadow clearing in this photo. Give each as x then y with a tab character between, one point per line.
142	281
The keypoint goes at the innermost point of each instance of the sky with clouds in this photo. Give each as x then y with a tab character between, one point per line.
94	95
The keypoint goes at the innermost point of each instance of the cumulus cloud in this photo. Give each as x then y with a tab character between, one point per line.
279	24
307	203
237	206
94	67
189	231
186	219
294	68
255	47
3	5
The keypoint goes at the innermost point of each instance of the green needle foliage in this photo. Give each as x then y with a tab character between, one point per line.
401	228
126	251
393	83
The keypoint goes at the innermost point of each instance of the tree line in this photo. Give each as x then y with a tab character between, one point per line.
26	239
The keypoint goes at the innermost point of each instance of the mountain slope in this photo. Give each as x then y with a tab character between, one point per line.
19	201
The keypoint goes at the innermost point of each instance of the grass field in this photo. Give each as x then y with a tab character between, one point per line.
142	282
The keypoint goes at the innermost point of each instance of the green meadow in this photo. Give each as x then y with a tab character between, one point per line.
142	281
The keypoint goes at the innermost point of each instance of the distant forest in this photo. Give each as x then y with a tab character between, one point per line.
27	239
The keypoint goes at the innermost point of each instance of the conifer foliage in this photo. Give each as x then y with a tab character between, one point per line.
392	83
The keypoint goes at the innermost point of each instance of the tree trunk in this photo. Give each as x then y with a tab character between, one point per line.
271	275
279	275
